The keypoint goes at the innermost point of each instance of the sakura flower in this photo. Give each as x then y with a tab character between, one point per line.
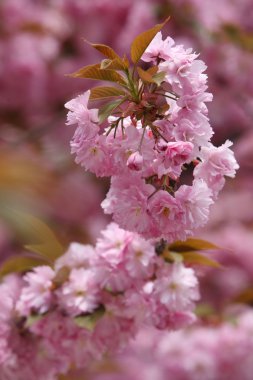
113	245
93	154
168	216
216	163
37	295
173	157
77	256
129	205
135	161
176	287
140	258
158	49
196	201
81	115
80	293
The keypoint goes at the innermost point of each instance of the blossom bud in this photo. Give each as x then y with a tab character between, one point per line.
135	161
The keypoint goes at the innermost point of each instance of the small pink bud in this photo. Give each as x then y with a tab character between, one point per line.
135	161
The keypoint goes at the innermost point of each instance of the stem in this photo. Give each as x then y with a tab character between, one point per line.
134	92
167	96
154	192
156	131
142	137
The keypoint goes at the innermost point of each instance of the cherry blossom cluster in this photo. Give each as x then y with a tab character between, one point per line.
90	303
223	352
165	173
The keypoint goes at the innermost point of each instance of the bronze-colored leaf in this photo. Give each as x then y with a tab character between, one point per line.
105	63
116	64
145	75
141	42
96	73
18	263
192	244
107	51
103	92
35	234
193	257
245	297
152	70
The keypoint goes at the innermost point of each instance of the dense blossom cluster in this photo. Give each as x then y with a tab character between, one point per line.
92	302
165	171
155	144
224	352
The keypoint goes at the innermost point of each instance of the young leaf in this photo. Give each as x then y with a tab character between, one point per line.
204	310
245	297
105	63
116	64
89	321
193	257
141	42
94	72
159	78
192	245
145	75
107	51
107	109
21	264
103	92
31	319
152	70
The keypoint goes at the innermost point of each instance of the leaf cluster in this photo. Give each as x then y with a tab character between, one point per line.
127	80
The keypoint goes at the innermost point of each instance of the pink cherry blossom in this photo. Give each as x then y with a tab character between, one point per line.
80	293
37	295
216	163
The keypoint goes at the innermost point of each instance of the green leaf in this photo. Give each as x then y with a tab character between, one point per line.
96	73
193	257
192	245
107	51
108	109
204	310
103	92
145	75
89	321
18	263
33	319
141	42
159	78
